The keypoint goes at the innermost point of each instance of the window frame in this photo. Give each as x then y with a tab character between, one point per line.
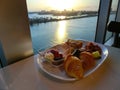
103	17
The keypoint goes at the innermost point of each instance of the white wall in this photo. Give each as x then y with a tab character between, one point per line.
14	30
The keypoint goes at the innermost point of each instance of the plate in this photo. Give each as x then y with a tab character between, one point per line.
59	72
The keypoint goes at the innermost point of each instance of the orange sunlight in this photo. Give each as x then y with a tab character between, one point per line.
61	32
61	4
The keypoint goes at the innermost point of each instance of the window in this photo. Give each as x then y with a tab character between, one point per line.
54	22
112	17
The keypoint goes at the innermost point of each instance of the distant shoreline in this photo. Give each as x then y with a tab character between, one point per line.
45	20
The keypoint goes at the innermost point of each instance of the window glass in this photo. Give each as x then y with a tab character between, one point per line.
54	21
112	16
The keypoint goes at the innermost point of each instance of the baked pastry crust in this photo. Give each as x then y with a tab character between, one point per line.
73	67
88	60
76	44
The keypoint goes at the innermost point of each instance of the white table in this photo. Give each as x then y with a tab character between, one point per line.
24	75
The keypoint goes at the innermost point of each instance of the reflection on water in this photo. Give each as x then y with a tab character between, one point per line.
61	33
49	34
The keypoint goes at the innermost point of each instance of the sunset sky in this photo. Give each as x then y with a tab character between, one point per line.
37	5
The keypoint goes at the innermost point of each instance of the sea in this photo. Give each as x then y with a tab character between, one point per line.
46	35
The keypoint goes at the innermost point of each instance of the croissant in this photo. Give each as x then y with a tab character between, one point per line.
87	60
73	67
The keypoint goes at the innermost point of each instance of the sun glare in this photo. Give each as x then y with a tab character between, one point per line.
61	4
61	31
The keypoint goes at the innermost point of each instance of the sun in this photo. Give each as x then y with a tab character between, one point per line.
61	4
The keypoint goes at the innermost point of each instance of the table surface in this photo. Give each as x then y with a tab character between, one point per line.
25	75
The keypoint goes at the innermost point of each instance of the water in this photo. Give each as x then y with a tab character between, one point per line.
45	35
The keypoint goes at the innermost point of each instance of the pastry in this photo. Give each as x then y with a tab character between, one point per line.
76	44
88	60
73	67
92	47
